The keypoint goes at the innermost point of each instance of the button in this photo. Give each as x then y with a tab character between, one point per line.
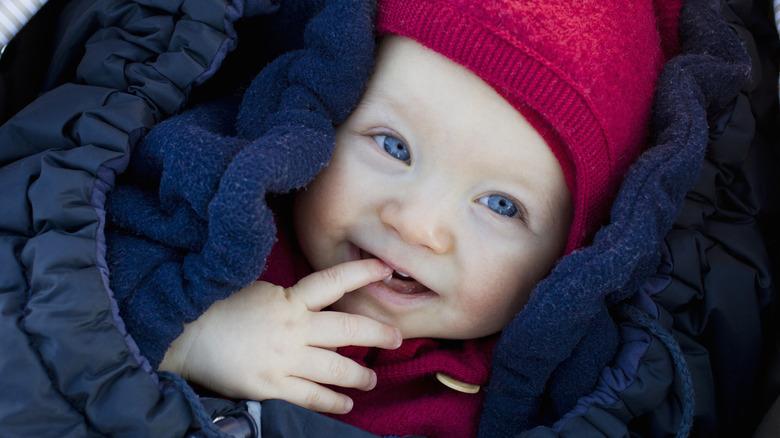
457	385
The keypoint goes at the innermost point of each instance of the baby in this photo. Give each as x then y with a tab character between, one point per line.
455	202
489	143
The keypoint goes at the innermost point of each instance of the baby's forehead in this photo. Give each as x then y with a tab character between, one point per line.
409	77
403	56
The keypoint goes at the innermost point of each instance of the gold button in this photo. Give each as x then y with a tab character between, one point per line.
457	385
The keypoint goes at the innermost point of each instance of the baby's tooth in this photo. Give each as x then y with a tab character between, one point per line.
387	280
402	274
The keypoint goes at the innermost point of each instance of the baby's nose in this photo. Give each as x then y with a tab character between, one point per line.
420	223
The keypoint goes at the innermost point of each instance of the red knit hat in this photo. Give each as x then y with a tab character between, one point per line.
582	72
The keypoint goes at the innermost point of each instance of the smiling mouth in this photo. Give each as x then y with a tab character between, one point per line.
399	281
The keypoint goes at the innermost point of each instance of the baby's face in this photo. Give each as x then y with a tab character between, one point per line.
442	179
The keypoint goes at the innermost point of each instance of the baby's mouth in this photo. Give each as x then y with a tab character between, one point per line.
399	275
399	281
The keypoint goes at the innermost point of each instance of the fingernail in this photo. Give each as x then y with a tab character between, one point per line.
385	267
348	406
398	338
372	383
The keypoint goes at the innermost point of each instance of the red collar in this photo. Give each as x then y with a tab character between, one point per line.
409	399
467	361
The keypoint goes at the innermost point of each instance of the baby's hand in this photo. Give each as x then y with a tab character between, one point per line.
267	342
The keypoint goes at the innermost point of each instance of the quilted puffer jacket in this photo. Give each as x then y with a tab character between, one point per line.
676	332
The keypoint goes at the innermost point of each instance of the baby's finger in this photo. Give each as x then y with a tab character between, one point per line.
329	368
323	288
311	395
338	329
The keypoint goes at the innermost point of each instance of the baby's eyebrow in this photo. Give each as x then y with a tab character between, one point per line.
374	96
384	92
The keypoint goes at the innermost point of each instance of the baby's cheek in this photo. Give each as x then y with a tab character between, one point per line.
487	313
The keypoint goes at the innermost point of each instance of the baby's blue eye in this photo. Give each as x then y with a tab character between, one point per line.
500	204
395	147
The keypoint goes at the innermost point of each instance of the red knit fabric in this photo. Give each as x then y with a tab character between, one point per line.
583	73
409	400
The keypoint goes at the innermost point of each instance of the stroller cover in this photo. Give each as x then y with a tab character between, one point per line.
161	126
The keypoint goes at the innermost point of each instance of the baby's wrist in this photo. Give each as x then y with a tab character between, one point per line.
176	355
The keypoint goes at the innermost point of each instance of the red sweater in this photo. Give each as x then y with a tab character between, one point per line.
409	399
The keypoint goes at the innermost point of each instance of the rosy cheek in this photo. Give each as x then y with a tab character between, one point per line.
508	294
484	311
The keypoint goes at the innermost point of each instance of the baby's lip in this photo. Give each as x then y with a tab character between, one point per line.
399	281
